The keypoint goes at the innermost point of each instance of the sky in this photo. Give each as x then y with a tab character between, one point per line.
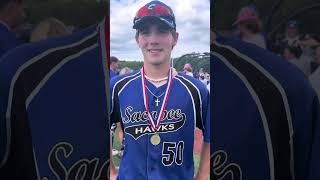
192	19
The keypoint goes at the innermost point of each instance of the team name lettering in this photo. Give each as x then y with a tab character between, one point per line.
138	116
221	169
137	131
82	169
147	129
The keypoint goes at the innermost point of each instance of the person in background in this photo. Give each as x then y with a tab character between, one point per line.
207	76
125	70
200	72
187	69
249	26
315	76
292	34
292	54
202	78
113	66
12	14
310	45
276	44
48	28
113	73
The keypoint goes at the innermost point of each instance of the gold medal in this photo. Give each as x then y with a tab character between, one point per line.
155	139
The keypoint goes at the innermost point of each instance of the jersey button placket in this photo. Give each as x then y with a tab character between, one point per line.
154	153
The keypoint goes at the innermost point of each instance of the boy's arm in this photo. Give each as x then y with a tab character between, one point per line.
204	165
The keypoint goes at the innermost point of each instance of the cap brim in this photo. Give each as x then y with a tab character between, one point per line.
145	19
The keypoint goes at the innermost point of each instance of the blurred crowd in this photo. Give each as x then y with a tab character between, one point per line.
15	30
299	49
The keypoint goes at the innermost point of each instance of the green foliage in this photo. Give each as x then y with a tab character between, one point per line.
134	65
196	60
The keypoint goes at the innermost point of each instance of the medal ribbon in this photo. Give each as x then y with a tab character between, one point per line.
164	103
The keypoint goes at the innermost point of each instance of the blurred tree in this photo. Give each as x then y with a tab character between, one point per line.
196	60
134	65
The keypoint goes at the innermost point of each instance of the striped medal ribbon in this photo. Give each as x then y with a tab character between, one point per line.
155	139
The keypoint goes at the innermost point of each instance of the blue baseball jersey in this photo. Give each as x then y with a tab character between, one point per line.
54	108
187	108
8	40
265	116
112	74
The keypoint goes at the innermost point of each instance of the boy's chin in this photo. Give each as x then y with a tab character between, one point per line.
157	62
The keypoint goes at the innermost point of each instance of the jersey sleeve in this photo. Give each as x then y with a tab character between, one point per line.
8	68
14	131
115	115
204	122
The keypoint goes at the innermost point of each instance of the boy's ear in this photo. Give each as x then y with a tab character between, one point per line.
175	37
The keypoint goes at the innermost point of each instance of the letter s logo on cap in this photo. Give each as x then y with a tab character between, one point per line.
150	7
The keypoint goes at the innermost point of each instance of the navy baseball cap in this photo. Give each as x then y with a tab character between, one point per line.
154	10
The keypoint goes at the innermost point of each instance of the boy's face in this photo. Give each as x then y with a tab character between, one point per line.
156	43
292	32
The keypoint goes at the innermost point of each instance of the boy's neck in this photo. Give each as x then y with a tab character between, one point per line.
156	71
